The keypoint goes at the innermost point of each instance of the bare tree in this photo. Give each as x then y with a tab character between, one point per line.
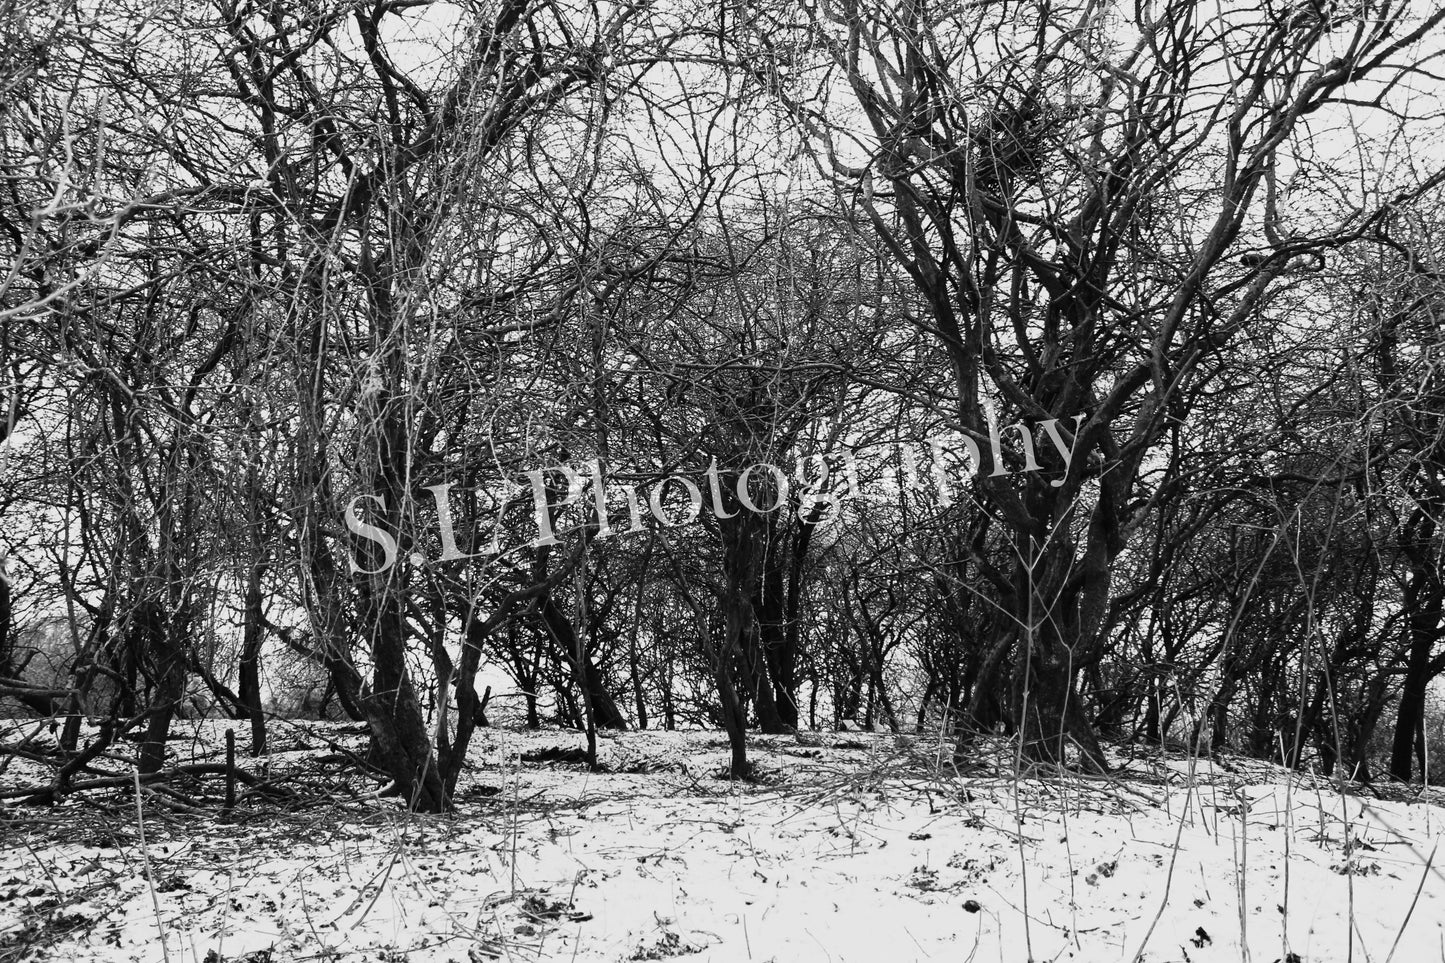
1088	225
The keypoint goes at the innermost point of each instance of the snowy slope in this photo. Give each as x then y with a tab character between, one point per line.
875	852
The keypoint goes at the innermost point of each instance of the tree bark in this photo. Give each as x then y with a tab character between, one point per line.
249	668
1424	596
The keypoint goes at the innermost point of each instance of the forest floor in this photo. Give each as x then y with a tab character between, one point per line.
849	847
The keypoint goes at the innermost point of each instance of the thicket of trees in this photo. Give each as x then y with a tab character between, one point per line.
1095	346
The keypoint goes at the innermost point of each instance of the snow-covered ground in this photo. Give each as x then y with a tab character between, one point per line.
850	847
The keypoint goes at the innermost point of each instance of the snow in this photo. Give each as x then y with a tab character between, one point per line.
883	852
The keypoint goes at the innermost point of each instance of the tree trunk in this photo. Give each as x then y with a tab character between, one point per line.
249	680
7	637
1423	604
635	673
733	713
170	678
760	686
400	741
922	718
584	671
779	627
471	711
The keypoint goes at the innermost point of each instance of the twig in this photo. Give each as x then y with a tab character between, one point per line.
1411	911
146	862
